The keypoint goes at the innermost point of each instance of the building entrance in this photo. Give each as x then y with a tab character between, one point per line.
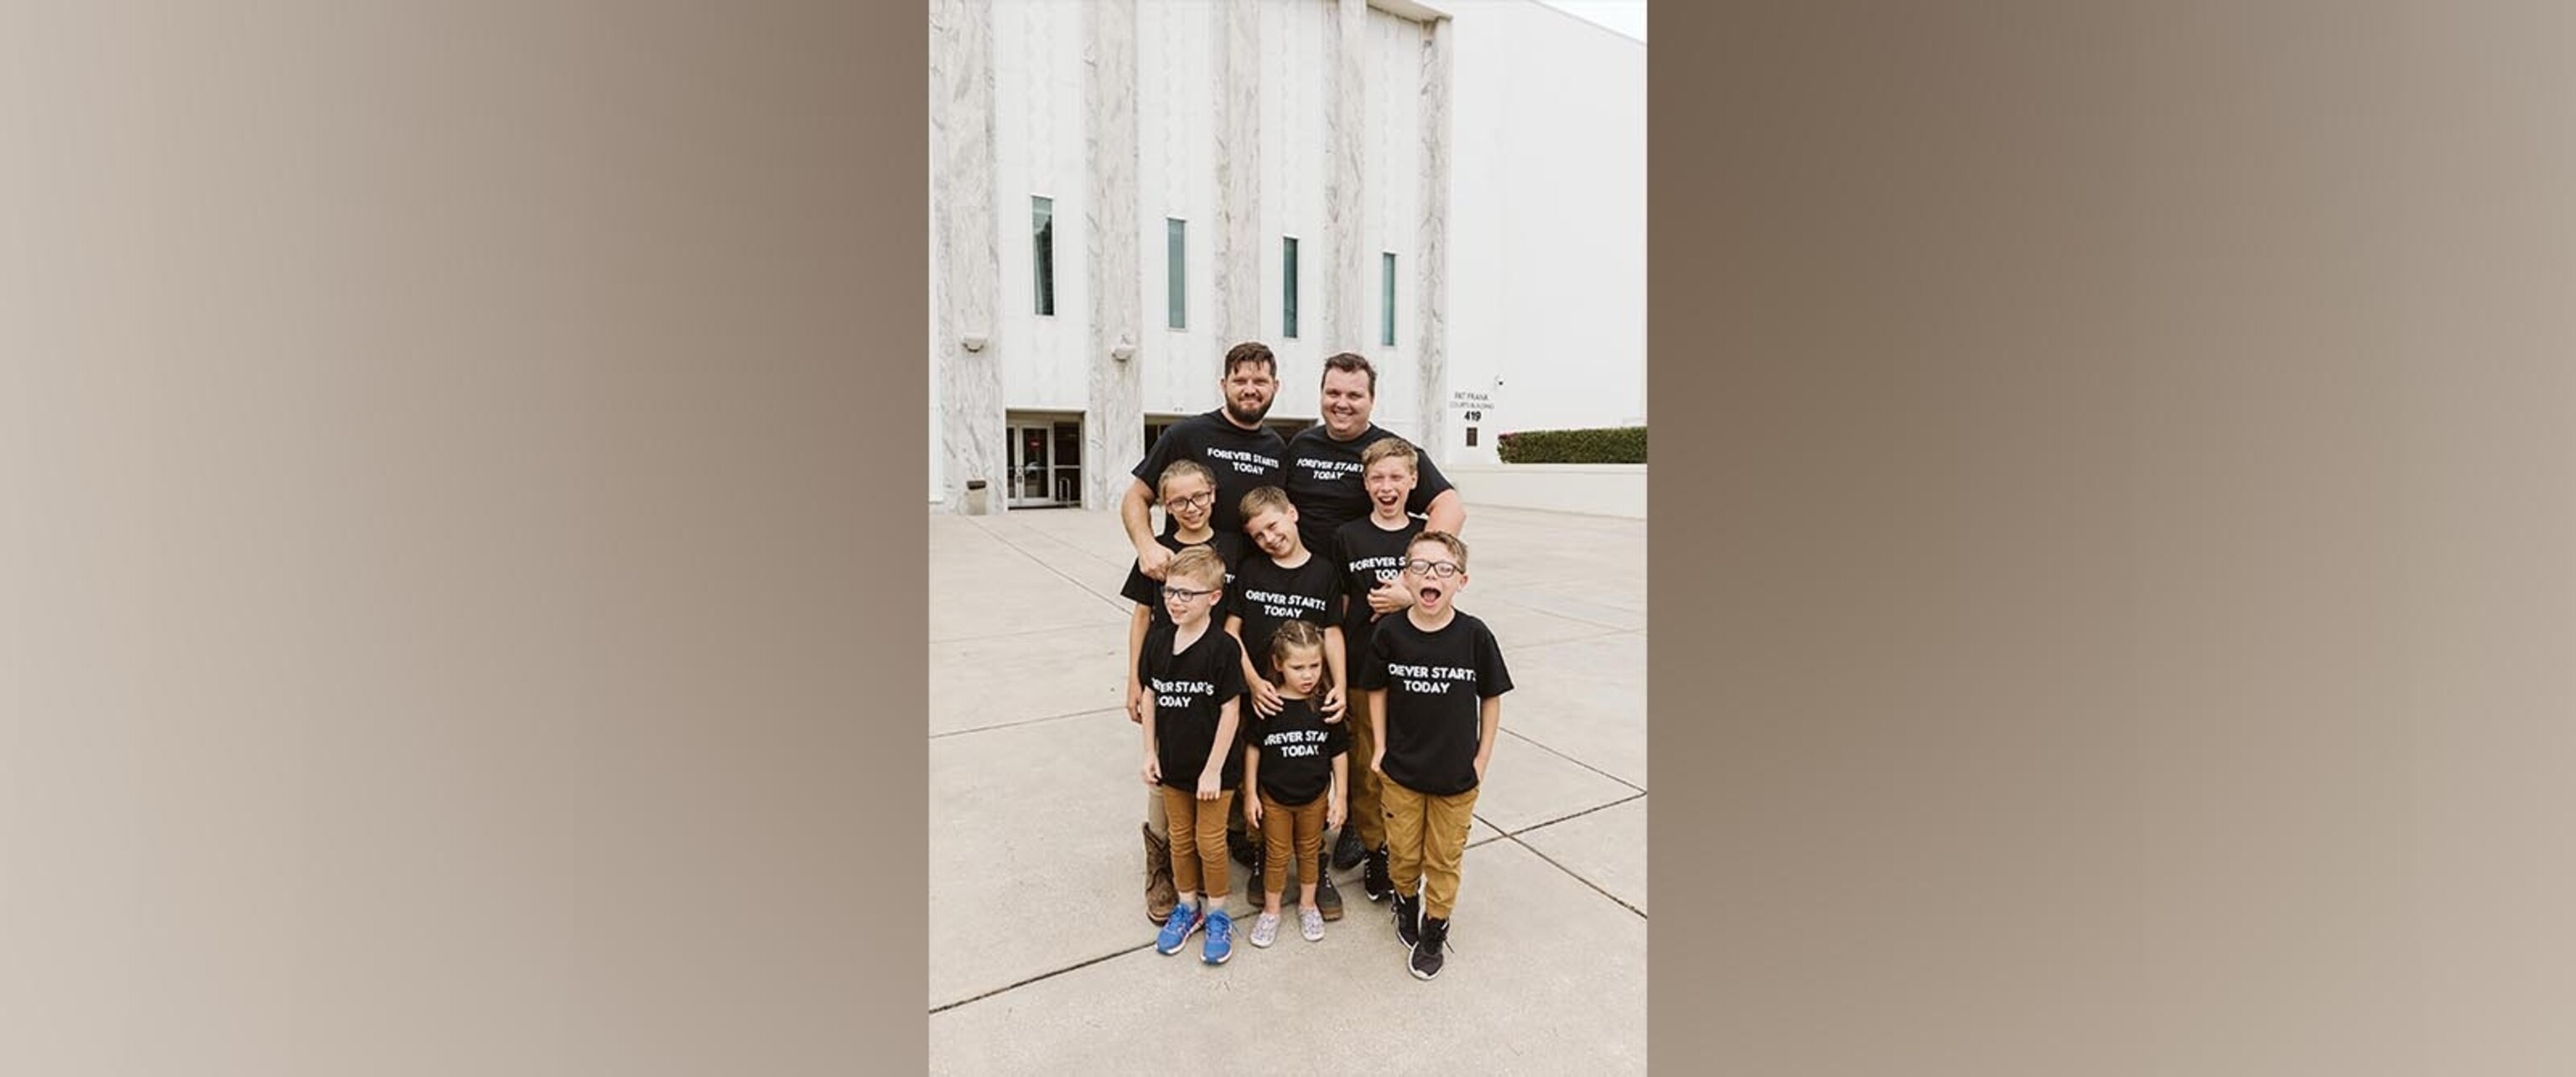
1046	462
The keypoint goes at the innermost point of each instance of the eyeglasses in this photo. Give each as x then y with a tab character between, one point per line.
1196	501
1184	593
1441	569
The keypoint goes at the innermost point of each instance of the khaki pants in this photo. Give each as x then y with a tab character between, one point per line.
1156	819
1198	841
1426	837
1279	824
1364	817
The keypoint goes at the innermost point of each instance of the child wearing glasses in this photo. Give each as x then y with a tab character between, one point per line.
1193	677
1293	777
1435	678
1283	582
1188	493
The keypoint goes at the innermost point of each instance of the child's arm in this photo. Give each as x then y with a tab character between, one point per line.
1211	774
1265	695
1251	782
1336	667
1377	732
1489	718
1153	764
1135	654
1333	809
1390	596
1136	513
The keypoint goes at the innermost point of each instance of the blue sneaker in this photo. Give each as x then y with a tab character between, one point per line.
1220	938
1177	930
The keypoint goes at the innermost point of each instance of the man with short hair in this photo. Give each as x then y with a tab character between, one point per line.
1325	481
1324	461
1230	441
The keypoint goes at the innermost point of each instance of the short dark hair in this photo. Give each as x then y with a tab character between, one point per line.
1251	351
1350	361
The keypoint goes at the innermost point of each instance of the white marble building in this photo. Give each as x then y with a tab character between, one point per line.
1122	189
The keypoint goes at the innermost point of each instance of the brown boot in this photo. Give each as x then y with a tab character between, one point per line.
1160	896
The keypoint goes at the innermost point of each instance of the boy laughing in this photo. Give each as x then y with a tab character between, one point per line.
1435	679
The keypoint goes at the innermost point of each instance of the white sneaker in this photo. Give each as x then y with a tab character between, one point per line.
1265	929
1310	920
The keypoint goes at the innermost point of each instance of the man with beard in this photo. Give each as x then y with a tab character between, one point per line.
1244	455
1230	441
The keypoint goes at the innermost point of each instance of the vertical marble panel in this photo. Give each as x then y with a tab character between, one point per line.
1346	290
1431	291
1113	433
970	396
1238	172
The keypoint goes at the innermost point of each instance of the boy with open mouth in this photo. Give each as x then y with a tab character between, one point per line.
1436	679
1371	550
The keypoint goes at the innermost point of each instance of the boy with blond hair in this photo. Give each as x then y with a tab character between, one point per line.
1371	552
1193	674
1284	581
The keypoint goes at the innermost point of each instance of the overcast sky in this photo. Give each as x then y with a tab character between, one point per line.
1625	16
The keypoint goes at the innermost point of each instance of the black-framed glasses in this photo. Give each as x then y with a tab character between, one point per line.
1197	500
1439	569
1184	594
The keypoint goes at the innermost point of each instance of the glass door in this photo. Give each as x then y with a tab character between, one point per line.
1029	470
1068	462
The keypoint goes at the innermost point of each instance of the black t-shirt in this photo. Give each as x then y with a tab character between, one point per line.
1297	751
1243	460
1190	690
1147	591
1325	481
1435	682
1267	596
1369	556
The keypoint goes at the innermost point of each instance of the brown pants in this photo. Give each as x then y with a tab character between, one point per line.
1364	817
1279	824
1198	826
1426	837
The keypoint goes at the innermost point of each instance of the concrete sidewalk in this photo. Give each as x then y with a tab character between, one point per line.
1040	954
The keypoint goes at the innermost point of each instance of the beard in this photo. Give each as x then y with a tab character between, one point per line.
1246	418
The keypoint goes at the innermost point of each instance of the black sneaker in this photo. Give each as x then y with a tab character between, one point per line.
1327	900
1408	920
1427	957
1347	851
1374	879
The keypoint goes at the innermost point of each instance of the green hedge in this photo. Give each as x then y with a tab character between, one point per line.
1599	445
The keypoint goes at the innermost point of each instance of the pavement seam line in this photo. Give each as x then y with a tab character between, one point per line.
1029	721
1606	629
1119	601
1501	833
1570	872
1525	739
1086	963
1015	635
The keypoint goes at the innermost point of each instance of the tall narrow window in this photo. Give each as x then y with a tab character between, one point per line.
1288	287
1043	210
1176	278
1386	299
